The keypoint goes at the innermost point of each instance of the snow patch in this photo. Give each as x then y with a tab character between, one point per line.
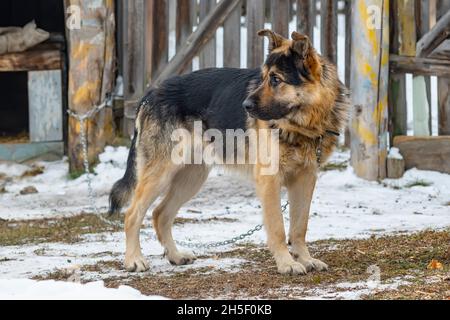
24	289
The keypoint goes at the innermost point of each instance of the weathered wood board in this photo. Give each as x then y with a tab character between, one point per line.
425	153
45	106
31	60
255	22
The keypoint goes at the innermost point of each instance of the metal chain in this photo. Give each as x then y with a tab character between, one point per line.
84	143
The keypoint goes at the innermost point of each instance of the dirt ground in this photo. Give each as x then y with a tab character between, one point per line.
411	266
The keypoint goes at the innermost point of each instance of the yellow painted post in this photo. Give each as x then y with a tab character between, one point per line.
91	76
370	81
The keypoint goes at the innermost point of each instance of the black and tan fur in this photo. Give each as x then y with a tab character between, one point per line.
297	91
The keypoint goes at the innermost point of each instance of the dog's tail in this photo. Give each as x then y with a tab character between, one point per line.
123	189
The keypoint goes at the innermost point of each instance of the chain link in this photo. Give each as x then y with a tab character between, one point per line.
187	244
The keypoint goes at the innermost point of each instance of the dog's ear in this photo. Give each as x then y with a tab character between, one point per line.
309	60
301	44
275	40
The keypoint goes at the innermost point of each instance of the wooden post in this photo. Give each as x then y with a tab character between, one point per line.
232	39
328	43
255	22
91	78
306	17
348	57
443	7
208	54
398	120
370	71
281	14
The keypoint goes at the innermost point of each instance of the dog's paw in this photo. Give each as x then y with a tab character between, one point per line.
312	264
181	258
136	264
291	267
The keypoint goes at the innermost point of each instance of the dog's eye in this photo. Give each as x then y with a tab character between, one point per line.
274	81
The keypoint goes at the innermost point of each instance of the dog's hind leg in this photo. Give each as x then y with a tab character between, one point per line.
300	191
184	186
152	182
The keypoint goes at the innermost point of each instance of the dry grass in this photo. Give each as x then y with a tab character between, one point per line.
397	256
66	230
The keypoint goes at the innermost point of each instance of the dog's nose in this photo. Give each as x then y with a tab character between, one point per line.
248	105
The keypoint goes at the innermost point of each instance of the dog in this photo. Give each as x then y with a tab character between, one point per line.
296	92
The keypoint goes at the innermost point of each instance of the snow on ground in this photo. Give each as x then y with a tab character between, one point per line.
24	289
344	206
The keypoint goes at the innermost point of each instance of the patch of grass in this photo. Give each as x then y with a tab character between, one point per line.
181	221
331	166
66	230
418	183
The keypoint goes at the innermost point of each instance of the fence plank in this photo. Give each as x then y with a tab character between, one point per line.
157	36
205	31
306	17
134	62
328	43
422	27
281	14
208	54
184	25
408	40
443	6
232	39
255	22
370	91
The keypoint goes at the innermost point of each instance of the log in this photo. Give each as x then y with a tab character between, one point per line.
425	153
205	31
395	164
419	66
370	47
438	34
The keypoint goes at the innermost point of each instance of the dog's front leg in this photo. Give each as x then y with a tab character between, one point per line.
268	189
300	191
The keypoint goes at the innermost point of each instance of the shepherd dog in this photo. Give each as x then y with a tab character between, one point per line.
296	92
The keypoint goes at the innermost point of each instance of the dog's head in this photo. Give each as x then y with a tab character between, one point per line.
291	79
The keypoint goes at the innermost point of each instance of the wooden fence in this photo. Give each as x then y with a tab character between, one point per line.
194	33
151	26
